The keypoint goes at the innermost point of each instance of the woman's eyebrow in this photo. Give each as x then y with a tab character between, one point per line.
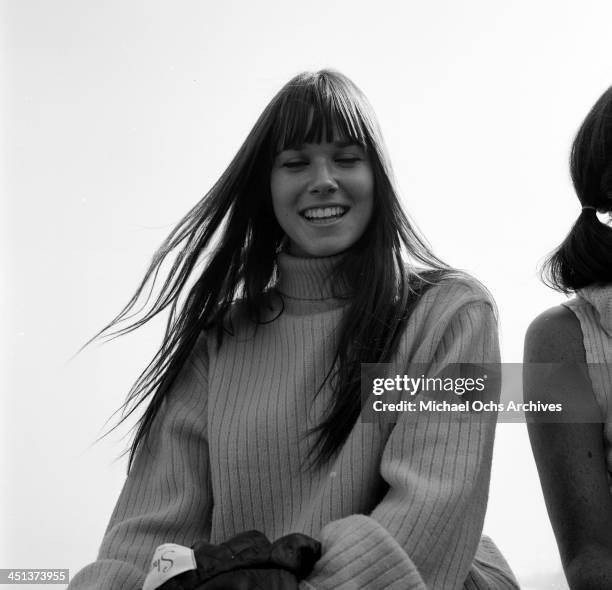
342	143
339	143
288	148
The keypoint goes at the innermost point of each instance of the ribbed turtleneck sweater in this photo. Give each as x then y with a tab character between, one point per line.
399	507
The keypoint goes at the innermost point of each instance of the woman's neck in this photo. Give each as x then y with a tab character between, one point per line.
309	285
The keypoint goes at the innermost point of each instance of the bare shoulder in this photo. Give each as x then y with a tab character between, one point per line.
554	336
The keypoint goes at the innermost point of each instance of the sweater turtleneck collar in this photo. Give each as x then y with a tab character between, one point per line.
304	280
601	299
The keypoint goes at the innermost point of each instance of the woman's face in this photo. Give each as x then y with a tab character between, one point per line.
322	195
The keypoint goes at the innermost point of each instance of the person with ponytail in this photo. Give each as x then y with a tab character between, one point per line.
574	458
298	266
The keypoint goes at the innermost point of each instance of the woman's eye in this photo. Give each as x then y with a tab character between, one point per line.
294	164
347	160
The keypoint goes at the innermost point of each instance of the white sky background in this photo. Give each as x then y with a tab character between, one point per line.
118	117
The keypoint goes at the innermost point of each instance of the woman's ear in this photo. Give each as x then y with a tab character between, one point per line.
283	245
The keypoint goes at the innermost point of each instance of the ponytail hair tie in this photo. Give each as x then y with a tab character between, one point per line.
586	207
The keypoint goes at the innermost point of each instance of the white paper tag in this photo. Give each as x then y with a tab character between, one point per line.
169	560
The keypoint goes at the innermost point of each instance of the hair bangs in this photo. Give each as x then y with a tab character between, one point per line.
316	108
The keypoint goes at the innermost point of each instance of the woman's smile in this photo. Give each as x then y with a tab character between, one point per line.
324	215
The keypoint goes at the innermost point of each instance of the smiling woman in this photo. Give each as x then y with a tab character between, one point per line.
298	266
322	195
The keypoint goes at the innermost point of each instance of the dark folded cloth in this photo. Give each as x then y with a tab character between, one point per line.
249	561
252	579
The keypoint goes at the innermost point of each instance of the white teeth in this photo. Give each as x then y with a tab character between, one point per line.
324	212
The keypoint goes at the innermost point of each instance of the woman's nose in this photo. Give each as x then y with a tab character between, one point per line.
322	181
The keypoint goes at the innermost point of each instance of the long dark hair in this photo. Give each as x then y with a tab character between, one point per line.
225	250
585	256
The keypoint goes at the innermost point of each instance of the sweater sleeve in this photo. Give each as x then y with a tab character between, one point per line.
424	534
167	496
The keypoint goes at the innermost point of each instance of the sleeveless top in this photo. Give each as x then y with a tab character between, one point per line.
593	308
